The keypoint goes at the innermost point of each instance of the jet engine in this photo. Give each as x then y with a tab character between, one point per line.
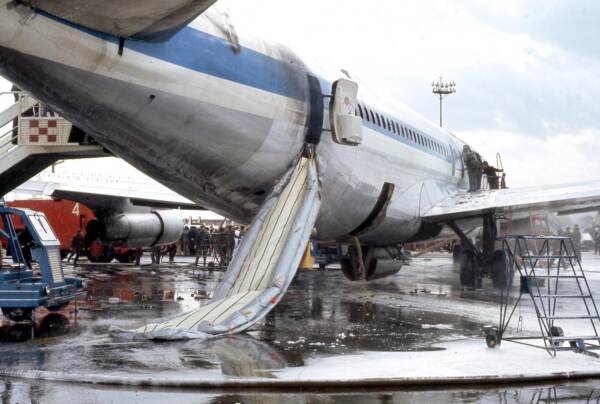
138	230
378	263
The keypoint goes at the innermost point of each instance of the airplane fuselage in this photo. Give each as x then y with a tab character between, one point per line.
219	121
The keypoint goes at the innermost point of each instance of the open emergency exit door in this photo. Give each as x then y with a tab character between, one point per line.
345	125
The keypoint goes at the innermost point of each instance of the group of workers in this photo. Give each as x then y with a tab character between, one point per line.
477	168
216	244
575	235
207	242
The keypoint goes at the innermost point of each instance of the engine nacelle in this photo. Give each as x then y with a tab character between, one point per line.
139	230
378	263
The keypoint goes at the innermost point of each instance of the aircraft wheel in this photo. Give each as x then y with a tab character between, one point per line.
468	269
502	277
17	314
457	252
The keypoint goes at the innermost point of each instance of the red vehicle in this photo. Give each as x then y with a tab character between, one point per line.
66	217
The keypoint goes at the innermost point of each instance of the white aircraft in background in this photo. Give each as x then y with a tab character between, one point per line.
125	197
219	116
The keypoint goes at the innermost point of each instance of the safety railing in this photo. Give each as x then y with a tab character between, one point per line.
34	124
7	140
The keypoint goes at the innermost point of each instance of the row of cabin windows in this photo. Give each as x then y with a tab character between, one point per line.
389	124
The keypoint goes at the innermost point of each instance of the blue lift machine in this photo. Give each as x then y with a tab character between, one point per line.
35	278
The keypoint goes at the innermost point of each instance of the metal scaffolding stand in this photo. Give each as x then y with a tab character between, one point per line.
550	274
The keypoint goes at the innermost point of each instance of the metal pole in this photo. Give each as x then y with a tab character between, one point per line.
443	89
441	103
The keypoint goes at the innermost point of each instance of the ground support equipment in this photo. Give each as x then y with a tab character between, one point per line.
551	275
35	277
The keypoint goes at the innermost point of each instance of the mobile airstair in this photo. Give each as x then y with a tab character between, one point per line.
552	277
262	268
32	138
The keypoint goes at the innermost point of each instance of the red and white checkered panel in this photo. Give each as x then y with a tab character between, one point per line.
44	131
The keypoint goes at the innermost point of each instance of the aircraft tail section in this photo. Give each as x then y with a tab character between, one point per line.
262	268
149	19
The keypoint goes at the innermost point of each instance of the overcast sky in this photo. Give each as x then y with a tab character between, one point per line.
527	72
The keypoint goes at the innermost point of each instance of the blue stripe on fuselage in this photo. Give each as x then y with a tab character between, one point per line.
205	53
199	51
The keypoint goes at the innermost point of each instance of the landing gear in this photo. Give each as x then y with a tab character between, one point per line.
457	250
358	265
476	263
469	269
502	276
367	263
17	314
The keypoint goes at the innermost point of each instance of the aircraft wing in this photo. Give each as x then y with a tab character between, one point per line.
517	203
106	195
144	19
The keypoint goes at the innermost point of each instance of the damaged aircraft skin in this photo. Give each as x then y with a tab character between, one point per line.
219	116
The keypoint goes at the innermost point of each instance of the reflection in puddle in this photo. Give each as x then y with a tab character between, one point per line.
240	356
45	326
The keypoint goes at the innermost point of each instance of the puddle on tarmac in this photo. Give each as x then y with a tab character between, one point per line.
322	315
317	317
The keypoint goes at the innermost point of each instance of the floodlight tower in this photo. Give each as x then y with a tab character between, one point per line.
443	89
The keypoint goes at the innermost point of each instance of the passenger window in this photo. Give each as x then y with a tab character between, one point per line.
360	111
378	119
372	116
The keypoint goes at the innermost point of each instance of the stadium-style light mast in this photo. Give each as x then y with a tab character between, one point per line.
443	89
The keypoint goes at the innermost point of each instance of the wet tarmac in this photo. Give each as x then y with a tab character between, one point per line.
322	316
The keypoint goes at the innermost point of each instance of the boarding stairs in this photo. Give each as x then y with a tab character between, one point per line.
32	138
262	268
552	276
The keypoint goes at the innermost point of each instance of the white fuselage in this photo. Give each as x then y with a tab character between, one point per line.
220	124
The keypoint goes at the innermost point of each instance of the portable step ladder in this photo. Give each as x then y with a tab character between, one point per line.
552	276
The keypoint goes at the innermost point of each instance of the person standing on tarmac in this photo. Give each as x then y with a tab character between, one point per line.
230	237
77	244
185	245
596	237
202	245
576	237
191	236
172	251
156	254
